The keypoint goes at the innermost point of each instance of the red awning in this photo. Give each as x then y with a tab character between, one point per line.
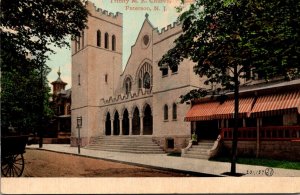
226	110
215	110
201	112
275	104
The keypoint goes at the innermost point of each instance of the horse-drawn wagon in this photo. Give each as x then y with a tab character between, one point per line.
12	150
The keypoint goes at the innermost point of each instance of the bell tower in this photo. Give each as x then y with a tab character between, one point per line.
96	68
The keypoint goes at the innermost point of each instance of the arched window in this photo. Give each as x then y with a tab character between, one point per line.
82	36
166	112
140	83
127	85
78	43
144	76
98	38
147	81
106	78
164	72
174	69
78	79
174	111
106	41
113	42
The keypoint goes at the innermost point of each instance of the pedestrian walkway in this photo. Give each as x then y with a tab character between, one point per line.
162	161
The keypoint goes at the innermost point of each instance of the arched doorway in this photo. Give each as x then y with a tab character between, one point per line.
116	124
148	121
107	125
125	122
136	122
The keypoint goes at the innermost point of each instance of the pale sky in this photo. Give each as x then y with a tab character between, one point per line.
132	22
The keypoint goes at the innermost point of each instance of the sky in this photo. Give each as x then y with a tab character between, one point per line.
132	22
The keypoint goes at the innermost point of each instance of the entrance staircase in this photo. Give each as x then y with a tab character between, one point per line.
204	150
129	144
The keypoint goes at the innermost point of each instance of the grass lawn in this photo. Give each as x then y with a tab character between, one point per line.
263	162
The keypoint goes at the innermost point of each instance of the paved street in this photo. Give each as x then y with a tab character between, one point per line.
41	163
162	161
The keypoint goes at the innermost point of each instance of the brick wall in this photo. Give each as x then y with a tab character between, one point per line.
288	150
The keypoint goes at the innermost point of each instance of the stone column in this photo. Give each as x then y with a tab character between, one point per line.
104	126
141	125
121	126
130	125
111	127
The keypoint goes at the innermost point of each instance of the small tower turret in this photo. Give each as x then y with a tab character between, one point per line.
58	85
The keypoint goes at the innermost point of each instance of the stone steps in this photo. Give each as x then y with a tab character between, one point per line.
200	151
129	144
129	151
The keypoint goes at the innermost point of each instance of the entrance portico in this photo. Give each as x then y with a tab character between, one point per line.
138	122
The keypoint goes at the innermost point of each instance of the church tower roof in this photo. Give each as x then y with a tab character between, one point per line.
58	85
58	80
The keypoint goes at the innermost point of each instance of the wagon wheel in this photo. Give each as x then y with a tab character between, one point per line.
12	165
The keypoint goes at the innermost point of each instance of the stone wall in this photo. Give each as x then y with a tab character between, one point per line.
287	150
179	142
84	141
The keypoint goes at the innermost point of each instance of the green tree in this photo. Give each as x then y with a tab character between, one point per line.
21	96
28	28
228	39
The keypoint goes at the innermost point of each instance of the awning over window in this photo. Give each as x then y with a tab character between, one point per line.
215	110
274	104
201	112
226	110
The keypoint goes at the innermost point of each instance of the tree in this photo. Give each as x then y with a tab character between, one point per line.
21	95
228	39
28	28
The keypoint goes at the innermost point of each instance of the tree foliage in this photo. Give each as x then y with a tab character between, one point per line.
227	39
28	28
262	36
21	98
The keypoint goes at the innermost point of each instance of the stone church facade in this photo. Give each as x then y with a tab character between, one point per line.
140	100
143	100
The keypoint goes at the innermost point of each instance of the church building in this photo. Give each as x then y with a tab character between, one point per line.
142	101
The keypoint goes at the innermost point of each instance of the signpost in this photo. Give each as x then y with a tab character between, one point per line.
79	125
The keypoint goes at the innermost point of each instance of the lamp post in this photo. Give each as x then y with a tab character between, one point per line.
79	125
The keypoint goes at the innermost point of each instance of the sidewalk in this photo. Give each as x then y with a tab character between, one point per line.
162	161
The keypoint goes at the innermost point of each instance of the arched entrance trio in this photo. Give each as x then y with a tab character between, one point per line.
139	123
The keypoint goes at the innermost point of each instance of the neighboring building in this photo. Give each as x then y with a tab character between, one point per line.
269	119
142	99
60	126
